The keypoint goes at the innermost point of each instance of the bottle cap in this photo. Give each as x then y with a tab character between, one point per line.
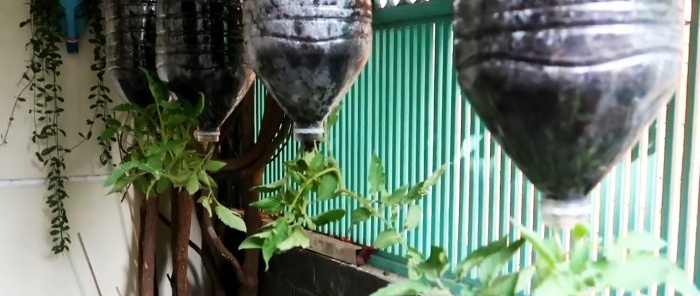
565	214
207	136
308	134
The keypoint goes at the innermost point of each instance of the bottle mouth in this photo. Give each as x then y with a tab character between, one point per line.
207	136
308	134
565	214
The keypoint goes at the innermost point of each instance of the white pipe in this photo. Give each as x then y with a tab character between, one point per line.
29	182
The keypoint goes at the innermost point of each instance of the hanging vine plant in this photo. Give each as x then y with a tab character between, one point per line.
40	85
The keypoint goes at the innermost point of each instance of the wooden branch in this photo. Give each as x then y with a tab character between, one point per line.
147	254
182	219
211	238
273	118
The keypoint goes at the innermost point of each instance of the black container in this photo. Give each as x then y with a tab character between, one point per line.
566	86
308	53
131	38
200	52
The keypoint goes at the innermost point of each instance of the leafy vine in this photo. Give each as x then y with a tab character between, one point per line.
40	84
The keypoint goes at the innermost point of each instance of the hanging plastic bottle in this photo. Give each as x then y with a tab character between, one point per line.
200	52
131	37
566	88
308	53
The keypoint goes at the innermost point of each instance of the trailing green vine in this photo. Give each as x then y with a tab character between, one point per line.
40	85
99	93
162	153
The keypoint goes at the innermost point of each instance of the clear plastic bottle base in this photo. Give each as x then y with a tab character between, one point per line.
565	214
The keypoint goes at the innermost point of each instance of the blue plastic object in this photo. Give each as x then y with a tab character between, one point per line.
73	23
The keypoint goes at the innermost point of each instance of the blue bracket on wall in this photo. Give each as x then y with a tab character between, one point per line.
73	23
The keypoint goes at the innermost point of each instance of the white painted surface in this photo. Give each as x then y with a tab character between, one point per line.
27	266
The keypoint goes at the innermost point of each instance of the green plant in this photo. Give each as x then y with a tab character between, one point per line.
40	82
314	177
162	153
628	264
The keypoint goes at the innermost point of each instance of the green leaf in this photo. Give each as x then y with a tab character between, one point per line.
376	176
329	217
297	238
316	163
280	232
214	166
230	218
272	187
677	278
436	265
162	185
158	89
557	284
421	188
580	231
396	197
387	238
414	259
404	288
640	242
252	242
327	188
360	215
504	285
580	256
271	205
479	255
192	184
637	272
412	218
542	248
492	264
206	204
525	278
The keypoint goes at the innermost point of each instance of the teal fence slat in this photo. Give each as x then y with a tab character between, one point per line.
406	107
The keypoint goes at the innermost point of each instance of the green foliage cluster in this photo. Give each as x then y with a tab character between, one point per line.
630	263
162	153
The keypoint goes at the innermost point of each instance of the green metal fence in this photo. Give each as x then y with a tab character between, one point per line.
407	108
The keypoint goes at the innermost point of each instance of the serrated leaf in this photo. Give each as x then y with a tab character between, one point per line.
360	215
504	285
640	242
479	255
397	196
230	218
329	217
252	242
436	265
492	264
412	218
271	187
637	272
316	163
214	165
271	205
404	288
327	187
387	238
192	184
297	238
376	176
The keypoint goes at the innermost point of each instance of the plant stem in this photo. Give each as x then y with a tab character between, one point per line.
182	218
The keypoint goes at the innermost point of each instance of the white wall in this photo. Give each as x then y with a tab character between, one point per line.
27	266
